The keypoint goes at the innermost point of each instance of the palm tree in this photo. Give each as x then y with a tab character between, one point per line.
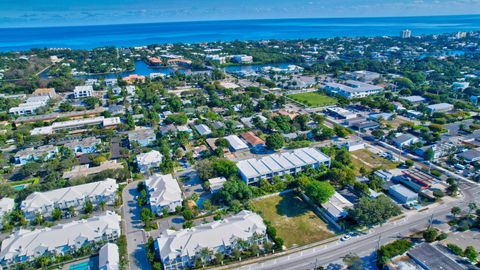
205	255
219	258
102	205
455	211
471	207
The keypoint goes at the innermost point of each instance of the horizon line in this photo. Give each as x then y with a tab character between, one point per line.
235	20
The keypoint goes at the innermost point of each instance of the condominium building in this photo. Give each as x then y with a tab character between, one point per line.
178	249
26	245
163	192
253	170
30	106
353	89
44	202
83	91
77	124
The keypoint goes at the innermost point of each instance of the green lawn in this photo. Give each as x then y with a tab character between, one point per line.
295	222
313	99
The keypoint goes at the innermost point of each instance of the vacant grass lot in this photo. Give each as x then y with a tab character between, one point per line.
369	160
295	222
314	99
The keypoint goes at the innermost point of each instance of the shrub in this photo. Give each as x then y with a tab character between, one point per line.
397	247
430	235
455	249
442	236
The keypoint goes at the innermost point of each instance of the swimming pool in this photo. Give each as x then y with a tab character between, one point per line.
82	266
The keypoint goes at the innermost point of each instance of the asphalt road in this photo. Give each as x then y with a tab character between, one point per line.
133	229
366	244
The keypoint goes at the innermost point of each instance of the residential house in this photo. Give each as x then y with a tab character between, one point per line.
146	161
337	206
109	257
44	152
163	193
143	136
404	140
83	91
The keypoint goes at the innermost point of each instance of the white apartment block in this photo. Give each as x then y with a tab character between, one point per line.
26	245
83	91
353	89
146	161
6	206
44	202
163	192
178	249
253	170
30	106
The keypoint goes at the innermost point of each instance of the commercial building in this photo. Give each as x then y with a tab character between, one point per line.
430	258
352	89
341	113
83	91
30	106
253	170
414	99
405	140
77	124
44	152
163	192
470	156
440	107
406	33
179	249
337	206
236	144
25	245
109	257
216	183
43	203
6	206
148	160
86	170
402	194
242	58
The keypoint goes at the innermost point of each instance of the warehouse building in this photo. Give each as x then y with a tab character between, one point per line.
252	170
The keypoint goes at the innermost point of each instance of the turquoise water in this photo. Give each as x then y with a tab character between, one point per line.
81	266
143	69
86	37
19	187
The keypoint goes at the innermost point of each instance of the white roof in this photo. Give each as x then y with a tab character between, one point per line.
203	129
150	157
83	88
336	205
6	205
163	189
74	234
217	182
108	257
281	162
38	200
211	235
236	143
440	106
352	86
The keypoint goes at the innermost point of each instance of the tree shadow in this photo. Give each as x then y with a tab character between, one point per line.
291	205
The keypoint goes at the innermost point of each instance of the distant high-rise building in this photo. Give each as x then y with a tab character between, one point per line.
459	35
407	33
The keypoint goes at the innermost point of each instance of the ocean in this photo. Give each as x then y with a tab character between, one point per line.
88	37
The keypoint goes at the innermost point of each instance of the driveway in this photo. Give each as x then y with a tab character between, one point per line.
133	229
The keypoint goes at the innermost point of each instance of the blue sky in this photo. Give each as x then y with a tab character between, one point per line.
35	13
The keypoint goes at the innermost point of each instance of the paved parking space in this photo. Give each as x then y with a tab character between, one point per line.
464	239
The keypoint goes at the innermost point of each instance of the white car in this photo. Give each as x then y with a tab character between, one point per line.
346	237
